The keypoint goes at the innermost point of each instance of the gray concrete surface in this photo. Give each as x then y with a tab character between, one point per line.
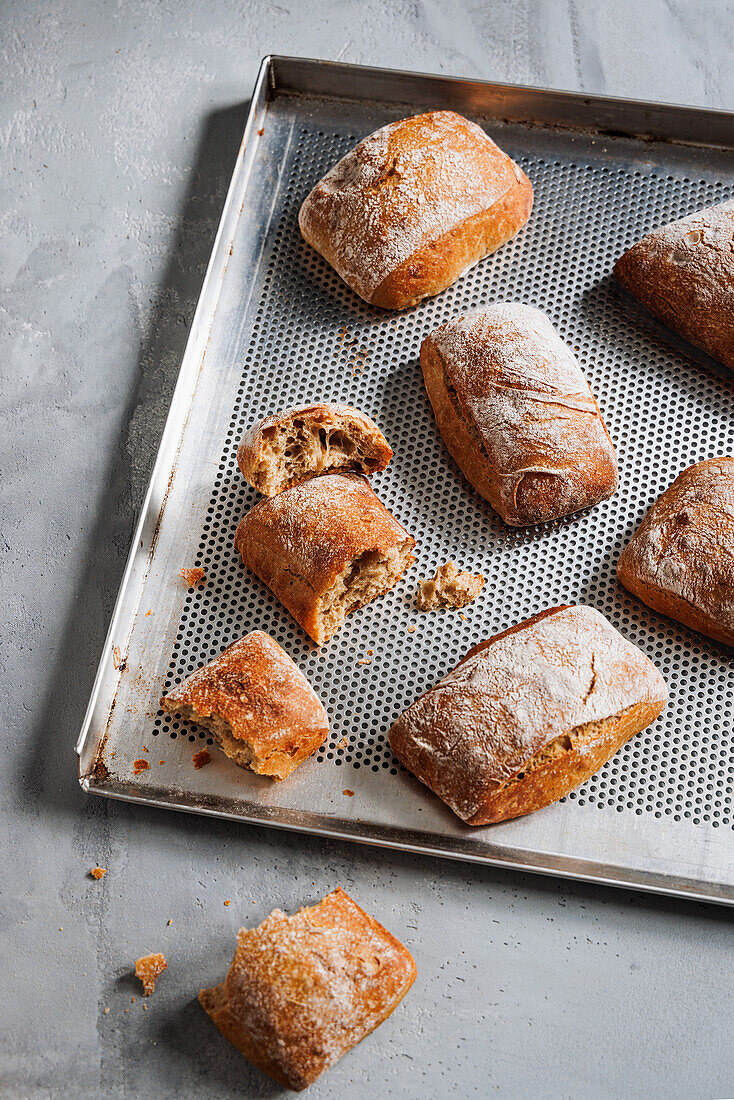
119	127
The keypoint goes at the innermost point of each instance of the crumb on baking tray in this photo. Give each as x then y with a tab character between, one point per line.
201	759
448	587
98	872
140	765
342	744
148	969
192	576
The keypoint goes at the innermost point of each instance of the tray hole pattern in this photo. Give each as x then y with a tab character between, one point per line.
665	406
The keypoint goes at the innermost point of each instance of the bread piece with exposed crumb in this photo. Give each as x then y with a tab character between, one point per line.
301	991
288	447
448	587
149	968
325	547
258	705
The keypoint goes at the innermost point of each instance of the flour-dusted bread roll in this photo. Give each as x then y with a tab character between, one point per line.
517	414
528	715
257	703
288	447
303	990
684	274
681	559
414	206
325	548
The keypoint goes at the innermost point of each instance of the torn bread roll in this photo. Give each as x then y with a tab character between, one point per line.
325	548
414	206
517	414
680	561
256	703
528	715
289	447
683	273
301	991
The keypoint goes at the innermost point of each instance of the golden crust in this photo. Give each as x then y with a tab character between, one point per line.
517	415
303	990
528	715
257	703
413	206
328	437
325	548
680	561
683	273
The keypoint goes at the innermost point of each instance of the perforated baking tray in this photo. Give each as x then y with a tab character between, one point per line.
275	327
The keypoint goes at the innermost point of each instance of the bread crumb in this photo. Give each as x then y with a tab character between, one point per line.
342	744
192	576
449	587
260	133
161	761
140	765
106	1012
370	652
348	792
364	661
228	901
145	1008
148	969
201	759
411	628
170	922
148	612
133	1000
98	872
145	748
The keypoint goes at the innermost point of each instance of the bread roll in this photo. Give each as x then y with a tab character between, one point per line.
517	414
303	990
681	559
414	206
684	274
258	705
325	547
288	447
528	715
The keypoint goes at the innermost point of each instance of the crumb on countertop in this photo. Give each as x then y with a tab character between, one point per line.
140	765
448	587
201	759
192	576
148	968
98	872
348	792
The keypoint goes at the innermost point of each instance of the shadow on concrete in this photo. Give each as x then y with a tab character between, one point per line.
48	774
